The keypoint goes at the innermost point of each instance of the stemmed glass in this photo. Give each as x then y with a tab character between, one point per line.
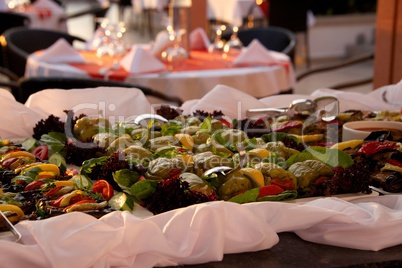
233	46
17	4
216	47
175	54
109	41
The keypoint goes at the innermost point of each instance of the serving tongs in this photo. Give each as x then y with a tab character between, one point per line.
5	235
224	170
326	107
145	117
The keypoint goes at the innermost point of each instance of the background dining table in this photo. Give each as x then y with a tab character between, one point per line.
43	14
199	75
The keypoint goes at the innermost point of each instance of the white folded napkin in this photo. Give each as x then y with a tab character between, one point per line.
391	93
160	44
61	51
232	102
140	60
282	100
356	100
46	4
181	236
114	103
256	54
199	39
16	121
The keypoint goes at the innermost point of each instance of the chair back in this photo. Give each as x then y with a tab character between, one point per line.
19	42
28	86
273	38
289	14
10	20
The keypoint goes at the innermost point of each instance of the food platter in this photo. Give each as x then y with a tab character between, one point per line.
290	160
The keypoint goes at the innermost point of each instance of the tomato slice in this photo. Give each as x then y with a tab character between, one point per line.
270	190
41	152
286	184
104	188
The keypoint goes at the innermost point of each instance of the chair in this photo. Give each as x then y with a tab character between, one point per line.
19	42
273	38
27	86
11	20
338	66
292	15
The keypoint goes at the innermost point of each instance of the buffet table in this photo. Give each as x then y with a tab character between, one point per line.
344	230
196	77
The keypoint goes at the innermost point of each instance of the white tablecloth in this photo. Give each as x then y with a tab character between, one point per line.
232	11
199	233
260	81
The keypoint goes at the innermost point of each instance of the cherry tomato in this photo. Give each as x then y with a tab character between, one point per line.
104	188
41	152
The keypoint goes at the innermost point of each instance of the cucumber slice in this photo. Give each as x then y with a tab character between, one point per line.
82	182
121	201
59	161
29	144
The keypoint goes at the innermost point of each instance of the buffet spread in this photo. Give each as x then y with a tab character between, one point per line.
156	182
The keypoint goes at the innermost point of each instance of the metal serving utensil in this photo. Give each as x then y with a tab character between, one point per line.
143	117
296	107
224	170
327	107
11	228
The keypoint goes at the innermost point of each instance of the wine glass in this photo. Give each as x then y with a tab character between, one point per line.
175	54
233	46
216	47
17	4
109	39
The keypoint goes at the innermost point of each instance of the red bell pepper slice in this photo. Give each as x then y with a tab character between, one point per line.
270	190
395	162
33	185
53	191
85	201
287	125
104	188
373	147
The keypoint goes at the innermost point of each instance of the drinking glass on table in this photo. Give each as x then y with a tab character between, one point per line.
232	47
17	4
175	54
216	47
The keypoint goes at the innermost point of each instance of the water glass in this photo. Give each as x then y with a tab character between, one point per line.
175	55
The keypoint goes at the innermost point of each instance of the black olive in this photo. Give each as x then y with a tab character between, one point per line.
393	183
378	136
